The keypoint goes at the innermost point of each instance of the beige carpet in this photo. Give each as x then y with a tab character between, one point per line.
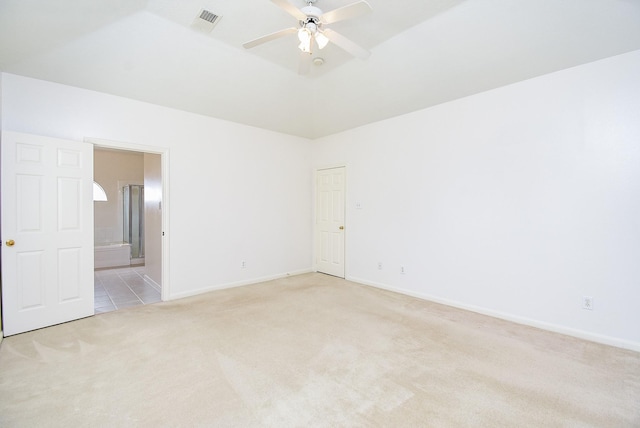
311	350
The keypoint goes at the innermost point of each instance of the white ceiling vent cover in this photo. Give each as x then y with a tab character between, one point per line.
205	21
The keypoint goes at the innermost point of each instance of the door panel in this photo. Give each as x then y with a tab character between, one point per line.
47	210
330	221
29	206
69	204
69	274
30	280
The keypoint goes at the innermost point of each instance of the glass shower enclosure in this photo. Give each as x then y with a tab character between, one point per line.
133	220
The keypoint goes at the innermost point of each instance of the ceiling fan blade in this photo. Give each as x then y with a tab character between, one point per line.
290	9
304	66
264	39
346	44
346	12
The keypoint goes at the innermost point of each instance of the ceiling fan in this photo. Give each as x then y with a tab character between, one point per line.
312	32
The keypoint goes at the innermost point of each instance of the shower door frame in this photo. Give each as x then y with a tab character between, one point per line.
128	233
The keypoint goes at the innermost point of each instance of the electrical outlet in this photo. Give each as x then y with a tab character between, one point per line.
587	303
402	270
243	264
379	265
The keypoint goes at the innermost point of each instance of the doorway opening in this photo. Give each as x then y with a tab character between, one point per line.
128	228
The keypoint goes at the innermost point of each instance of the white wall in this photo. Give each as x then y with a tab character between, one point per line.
236	192
515	202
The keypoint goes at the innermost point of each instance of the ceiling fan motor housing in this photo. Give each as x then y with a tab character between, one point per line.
312	12
311	24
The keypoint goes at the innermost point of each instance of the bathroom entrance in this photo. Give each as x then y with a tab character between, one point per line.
127	228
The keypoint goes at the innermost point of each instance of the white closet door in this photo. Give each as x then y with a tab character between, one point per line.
330	215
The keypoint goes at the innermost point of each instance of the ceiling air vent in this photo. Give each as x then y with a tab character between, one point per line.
205	21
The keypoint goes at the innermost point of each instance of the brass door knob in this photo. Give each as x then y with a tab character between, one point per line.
341	227
10	243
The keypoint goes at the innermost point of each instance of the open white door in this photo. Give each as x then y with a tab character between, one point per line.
47	231
330	206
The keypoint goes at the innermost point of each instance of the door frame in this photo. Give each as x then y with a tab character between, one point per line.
164	166
315	215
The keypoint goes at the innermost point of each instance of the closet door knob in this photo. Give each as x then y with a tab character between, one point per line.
341	227
10	243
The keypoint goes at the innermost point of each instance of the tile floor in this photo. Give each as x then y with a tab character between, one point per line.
122	288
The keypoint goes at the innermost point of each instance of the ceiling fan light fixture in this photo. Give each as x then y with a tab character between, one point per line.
321	40
311	29
304	35
306	48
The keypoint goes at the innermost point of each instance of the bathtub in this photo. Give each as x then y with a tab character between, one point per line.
112	255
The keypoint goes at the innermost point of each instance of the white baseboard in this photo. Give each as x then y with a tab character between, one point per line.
581	334
237	284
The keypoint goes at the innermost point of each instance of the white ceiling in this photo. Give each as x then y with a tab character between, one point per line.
424	52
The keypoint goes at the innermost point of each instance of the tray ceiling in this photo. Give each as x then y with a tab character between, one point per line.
423	53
